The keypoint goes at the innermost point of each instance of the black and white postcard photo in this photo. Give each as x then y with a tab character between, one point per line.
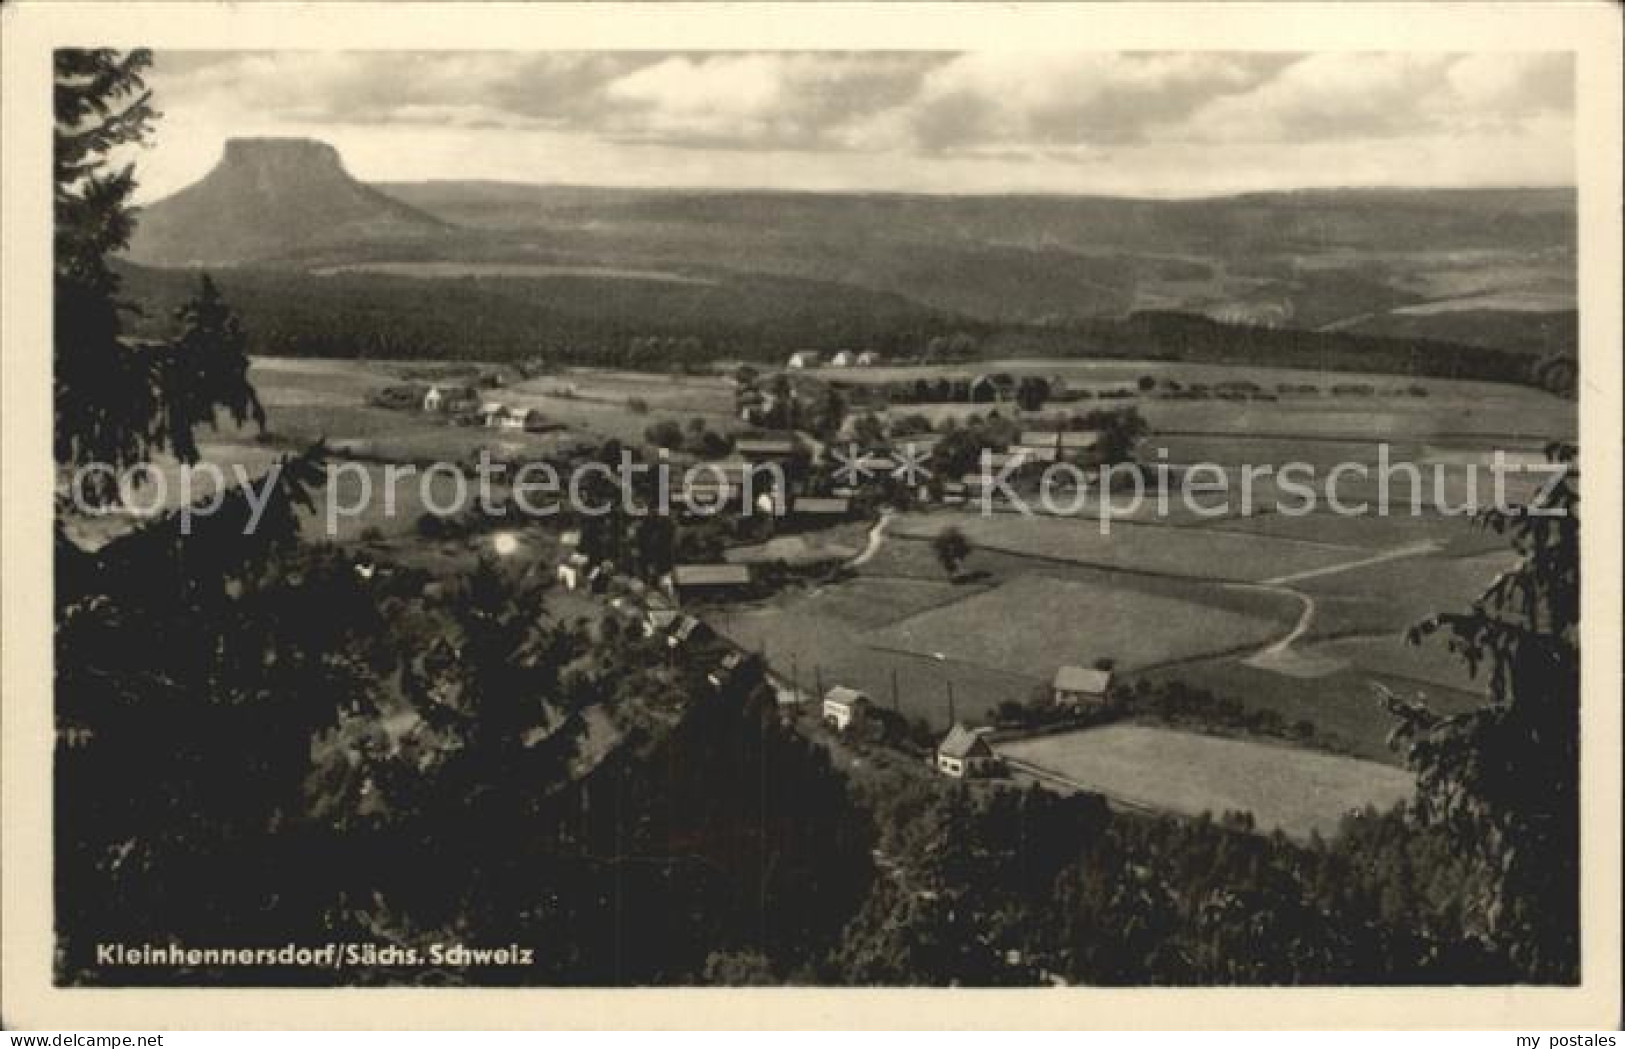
801	500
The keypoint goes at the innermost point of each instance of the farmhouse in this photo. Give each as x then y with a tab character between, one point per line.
844	359
844	707
764	448
868	359
702	581
658	620
803	359
573	571
453	399
1082	688
499	416
965	754
817	506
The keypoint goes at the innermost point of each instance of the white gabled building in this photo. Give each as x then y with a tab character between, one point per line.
844	707
964	754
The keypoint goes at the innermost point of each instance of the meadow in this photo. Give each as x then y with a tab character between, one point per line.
1298	792
1186	597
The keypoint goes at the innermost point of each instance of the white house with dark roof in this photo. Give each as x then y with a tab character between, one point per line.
965	754
572	571
844	707
758	448
803	359
1082	687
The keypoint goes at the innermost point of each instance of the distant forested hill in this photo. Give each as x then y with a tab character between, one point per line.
581	319
1360	260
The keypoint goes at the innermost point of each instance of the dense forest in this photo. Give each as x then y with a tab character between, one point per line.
603	321
262	741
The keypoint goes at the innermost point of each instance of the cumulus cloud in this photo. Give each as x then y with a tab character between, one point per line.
898	112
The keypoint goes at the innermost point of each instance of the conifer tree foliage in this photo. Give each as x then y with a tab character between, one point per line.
119	401
1502	781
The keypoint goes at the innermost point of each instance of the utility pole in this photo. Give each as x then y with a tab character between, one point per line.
896	705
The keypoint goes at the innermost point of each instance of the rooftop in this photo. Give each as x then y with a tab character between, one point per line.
710	575
961	742
1083	679
844	696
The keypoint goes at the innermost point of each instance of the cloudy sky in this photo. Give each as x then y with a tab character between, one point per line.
1140	123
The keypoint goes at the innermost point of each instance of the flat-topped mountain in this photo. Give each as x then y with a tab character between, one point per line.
267	197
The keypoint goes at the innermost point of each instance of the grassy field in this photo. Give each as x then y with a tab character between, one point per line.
1298	792
1044	623
1158	595
1130	546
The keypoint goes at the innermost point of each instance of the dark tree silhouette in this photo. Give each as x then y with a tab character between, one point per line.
1503	780
951	549
118	401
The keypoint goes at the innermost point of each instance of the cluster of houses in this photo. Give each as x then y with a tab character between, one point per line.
966	753
803	359
464	402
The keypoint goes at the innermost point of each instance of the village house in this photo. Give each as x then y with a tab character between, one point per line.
844	359
820	506
965	754
497	416
450	399
658	621
868	359
572	571
1082	688
803	359
844	707
690	582
765	448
